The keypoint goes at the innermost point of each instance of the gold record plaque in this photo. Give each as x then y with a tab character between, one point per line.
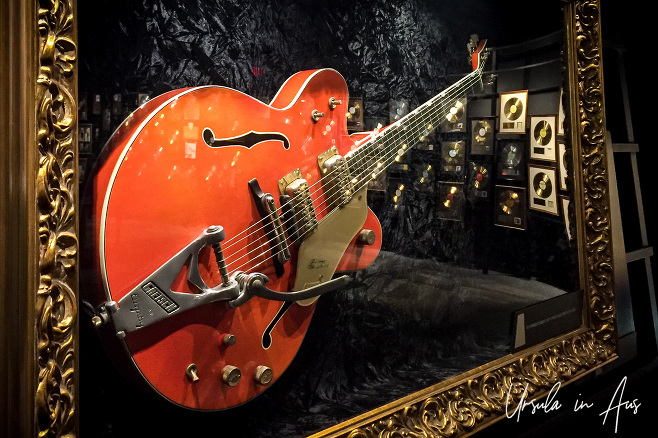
510	159
542	137
479	182
451	201
564	201
455	119
452	156
543	189
355	114
562	161
510	207
513	110
482	137
397	109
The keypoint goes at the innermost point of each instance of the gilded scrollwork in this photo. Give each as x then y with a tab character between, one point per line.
56	186
491	393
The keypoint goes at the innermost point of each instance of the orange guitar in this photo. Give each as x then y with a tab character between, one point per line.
219	221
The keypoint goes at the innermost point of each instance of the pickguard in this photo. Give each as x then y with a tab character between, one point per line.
320	252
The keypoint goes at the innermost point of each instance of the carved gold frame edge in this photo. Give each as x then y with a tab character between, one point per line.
458	406
462	405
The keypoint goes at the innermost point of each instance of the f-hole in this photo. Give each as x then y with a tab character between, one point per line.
266	341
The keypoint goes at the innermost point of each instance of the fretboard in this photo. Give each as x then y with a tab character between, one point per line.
384	148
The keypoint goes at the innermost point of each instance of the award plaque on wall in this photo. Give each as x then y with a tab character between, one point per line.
479	180
510	207
452	156
425	176
397	109
564	201
511	160
451	201
455	119
542	137
513	110
482	137
378	183
355	114
560	115
543	189
562	160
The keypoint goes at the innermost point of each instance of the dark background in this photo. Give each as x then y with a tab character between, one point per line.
385	50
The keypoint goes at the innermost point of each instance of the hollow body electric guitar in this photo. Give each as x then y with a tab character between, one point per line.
219	220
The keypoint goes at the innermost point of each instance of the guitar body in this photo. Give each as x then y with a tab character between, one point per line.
161	183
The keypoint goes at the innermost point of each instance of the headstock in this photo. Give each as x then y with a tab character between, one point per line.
478	52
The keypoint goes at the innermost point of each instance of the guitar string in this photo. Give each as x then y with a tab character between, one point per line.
391	151
395	141
421	127
325	180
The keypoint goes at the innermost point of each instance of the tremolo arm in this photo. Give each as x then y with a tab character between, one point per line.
153	300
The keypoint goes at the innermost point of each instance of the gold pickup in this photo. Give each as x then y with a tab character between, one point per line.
335	172
296	187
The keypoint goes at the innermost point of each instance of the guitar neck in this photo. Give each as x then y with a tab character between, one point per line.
384	148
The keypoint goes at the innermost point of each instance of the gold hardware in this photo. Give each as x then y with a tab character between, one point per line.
367	237
231	375
315	115
297	188
333	102
229	339
337	184
191	372
263	375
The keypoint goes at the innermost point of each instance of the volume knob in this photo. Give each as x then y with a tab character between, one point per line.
231	375
263	375
367	237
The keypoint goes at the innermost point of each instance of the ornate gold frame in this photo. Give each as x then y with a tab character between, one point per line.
39	240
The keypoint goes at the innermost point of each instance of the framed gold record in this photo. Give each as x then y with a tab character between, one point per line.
510	207
479	180
513	112
564	203
482	136
511	159
562	164
542	189
455	119
397	109
355	114
542	137
452	156
451	201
